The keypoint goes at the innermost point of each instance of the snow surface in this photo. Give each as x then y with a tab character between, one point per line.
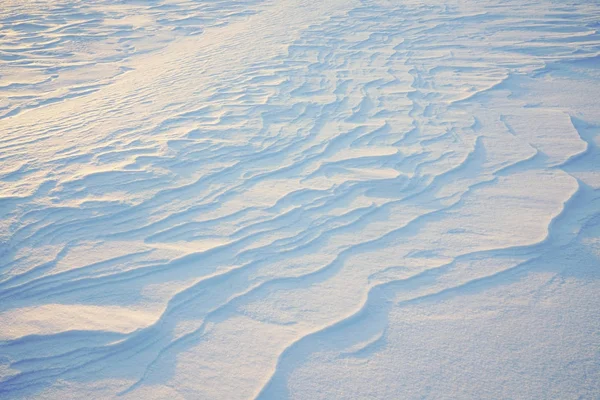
272	199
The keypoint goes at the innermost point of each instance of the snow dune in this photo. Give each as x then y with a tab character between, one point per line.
363	199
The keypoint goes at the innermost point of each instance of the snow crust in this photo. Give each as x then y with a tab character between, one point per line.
340	199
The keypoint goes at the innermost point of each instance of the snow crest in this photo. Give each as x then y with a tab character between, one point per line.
294	199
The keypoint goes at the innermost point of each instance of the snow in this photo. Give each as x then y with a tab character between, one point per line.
362	199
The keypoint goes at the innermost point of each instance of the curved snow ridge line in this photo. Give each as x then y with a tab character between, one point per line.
329	269
274	389
544	240
580	127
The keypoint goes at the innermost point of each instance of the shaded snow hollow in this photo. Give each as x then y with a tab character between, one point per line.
341	199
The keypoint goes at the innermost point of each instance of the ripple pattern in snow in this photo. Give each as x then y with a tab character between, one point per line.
234	199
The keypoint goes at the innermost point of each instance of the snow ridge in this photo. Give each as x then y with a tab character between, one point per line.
270	200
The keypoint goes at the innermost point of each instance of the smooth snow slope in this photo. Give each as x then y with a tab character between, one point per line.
341	199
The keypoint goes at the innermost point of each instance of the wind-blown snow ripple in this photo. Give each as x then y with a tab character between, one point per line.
238	199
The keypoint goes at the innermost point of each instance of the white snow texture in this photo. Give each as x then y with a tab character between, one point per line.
299	199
